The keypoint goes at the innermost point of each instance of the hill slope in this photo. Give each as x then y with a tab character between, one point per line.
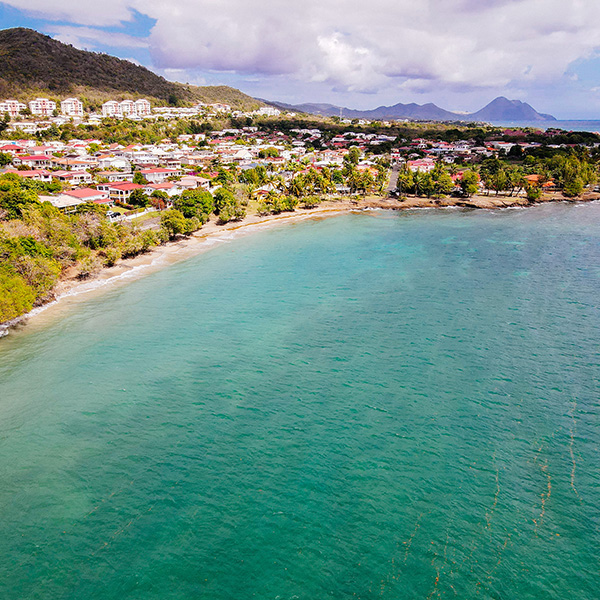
32	63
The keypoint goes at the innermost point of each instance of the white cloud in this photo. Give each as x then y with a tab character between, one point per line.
90	38
359	46
107	12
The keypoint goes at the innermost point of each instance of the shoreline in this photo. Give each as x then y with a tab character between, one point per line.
211	233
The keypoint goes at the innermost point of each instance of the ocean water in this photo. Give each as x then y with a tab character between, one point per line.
591	126
376	405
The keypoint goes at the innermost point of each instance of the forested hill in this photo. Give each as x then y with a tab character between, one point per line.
32	63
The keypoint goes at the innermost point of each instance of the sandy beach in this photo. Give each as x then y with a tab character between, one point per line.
71	290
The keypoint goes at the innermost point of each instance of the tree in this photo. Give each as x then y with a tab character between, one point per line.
138	198
232	211
573	186
443	184
268	153
405	182
469	183
353	156
223	197
224	177
173	222
195	203
139	178
532	192
159	199
16	297
15	201
297	186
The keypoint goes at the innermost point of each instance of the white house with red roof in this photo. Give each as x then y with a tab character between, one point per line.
120	191
14	149
33	161
36	174
89	195
424	165
158	175
168	187
73	177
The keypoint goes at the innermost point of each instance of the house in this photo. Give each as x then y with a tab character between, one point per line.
159	175
127	108
89	195
73	177
114	176
14	149
142	108
120	192
114	162
75	164
36	174
63	202
424	165
191	182
33	161
168	187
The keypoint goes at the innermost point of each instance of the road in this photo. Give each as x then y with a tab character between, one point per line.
393	179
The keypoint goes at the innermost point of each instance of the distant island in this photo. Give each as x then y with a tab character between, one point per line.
500	109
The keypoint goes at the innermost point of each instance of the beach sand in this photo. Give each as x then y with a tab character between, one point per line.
71	290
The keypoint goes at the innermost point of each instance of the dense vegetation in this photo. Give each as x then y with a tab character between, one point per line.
32	64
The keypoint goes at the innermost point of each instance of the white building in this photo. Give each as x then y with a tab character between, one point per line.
12	107
42	107
71	107
142	108
111	109
267	111
127	108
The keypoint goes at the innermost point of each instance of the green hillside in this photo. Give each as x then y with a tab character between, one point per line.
34	64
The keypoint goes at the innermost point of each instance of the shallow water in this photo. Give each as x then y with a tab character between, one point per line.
374	405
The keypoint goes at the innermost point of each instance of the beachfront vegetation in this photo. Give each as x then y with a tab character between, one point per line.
38	243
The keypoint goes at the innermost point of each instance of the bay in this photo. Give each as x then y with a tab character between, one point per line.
396	405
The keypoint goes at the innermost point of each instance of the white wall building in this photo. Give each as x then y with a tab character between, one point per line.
12	107
111	109
142	108
42	107
127	108
267	111
72	107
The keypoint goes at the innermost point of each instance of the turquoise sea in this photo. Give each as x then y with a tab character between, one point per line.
591	126
376	405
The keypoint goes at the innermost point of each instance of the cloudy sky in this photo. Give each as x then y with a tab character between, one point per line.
459	54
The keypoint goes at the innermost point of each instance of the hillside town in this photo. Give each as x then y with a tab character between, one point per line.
131	178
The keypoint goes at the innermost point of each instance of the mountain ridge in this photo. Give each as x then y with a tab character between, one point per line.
499	109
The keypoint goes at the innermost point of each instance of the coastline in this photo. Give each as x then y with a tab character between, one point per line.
129	269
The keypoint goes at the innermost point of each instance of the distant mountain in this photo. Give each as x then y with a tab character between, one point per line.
499	109
502	109
34	64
